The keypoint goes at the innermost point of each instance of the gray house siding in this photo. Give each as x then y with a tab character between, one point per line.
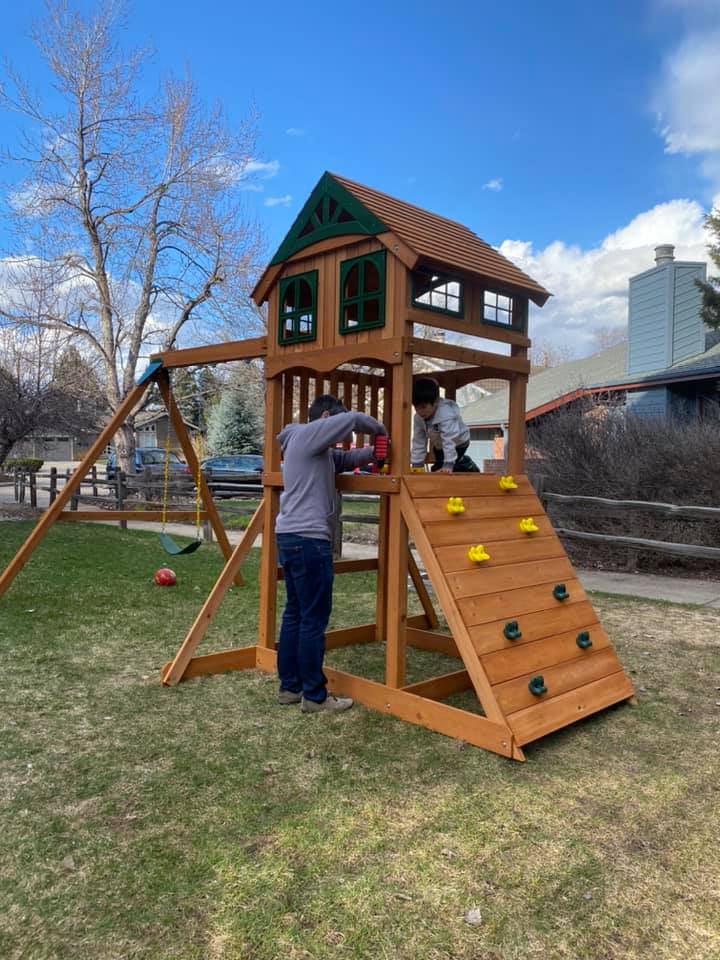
688	331
648	403
648	321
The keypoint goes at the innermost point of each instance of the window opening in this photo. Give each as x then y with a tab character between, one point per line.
297	320
439	292
362	293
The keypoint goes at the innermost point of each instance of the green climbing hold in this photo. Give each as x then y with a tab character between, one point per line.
537	686
560	592
583	640
511	630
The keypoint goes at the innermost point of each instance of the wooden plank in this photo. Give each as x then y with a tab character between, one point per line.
243	658
542	718
486	579
176	670
487	637
268	560
101	516
178	425
381	582
439	688
495	363
347	482
398	248
434	509
439	717
515	447
516	661
464	531
345	566
422	592
454	559
216	353
559	678
349	636
397	544
422	638
453	615
376	353
429	485
65	495
303	401
512	604
655	546
470	328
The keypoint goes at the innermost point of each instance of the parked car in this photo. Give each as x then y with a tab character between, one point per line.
152	458
222	472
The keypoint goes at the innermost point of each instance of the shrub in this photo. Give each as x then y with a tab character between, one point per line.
23	463
588	451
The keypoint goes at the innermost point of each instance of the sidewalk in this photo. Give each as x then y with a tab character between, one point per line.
704	593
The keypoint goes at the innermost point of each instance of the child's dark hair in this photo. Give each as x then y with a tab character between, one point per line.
425	390
327	403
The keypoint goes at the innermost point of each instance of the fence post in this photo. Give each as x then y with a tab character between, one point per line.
120	486
22	487
73	500
33	488
16	485
93	475
53	484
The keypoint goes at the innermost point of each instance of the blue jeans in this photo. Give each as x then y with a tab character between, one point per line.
308	567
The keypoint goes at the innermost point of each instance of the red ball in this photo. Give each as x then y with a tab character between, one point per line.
165	577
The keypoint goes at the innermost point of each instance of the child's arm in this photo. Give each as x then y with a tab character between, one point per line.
327	431
450	427
419	442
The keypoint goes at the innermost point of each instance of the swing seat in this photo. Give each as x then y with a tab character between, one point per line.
174	549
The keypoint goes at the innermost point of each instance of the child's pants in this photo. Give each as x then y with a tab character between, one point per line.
308	568
459	466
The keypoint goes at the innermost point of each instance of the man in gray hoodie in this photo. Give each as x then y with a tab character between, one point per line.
304	530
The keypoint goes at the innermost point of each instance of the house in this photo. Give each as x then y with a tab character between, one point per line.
151	430
669	365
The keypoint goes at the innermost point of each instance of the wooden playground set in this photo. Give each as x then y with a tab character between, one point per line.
356	272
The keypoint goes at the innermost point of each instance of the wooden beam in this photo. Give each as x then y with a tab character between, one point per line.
65	495
438	688
438	717
494	363
178	425
350	636
347	482
345	566
269	558
217	353
515	453
174	672
399	248
471	328
422	638
374	353
242	658
102	516
422	591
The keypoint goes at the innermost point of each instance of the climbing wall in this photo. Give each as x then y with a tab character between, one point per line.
528	635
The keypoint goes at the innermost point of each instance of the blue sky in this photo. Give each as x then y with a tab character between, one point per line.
574	136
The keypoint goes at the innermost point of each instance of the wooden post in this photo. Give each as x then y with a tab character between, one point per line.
53	485
268	560
397	550
181	433
288	381
51	514
381	586
303	399
515	449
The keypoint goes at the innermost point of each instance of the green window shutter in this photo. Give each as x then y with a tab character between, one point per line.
297	308
362	293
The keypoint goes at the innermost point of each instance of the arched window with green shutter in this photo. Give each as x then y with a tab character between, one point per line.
297	311
362	293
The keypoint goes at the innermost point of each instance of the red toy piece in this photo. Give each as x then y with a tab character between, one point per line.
165	577
381	448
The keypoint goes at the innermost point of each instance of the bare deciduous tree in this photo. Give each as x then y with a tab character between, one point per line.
129	217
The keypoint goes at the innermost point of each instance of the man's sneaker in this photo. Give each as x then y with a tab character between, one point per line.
331	704
286	697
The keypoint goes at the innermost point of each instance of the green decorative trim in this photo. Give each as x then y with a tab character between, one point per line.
330	211
311	278
444	278
537	686
511	630
362	298
560	592
583	640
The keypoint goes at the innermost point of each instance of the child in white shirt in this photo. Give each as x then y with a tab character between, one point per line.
439	421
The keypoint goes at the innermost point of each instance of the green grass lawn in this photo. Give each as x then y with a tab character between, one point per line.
204	821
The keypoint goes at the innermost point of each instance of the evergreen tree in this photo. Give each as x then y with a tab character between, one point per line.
235	424
710	311
186	393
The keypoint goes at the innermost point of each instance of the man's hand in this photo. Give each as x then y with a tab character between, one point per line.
444	470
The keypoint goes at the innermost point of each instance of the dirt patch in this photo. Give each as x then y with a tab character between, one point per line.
18	511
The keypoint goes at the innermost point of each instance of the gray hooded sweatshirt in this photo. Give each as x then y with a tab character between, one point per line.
310	462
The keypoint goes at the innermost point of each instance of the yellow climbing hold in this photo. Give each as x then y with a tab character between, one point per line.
385	468
528	525
477	554
507	483
417	469
455	505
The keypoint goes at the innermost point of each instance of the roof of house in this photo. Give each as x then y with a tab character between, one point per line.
436	238
146	417
431	238
607	368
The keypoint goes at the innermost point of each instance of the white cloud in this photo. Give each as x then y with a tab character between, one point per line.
278	201
495	184
295	132
264	169
590	287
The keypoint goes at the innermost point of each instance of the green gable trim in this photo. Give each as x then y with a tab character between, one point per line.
330	211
